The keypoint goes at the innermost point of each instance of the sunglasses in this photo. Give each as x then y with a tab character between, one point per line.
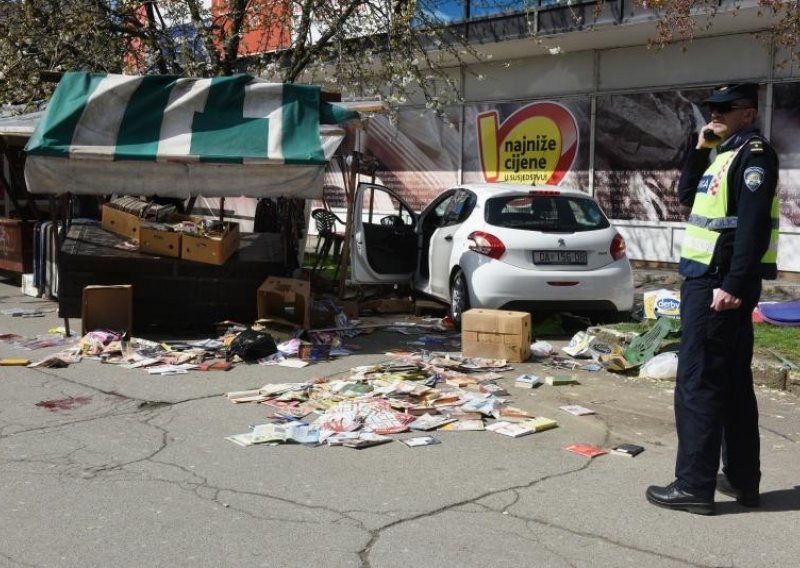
725	108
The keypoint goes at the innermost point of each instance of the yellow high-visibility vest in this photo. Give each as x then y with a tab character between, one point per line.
709	216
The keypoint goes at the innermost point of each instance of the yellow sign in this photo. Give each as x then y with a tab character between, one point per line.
536	145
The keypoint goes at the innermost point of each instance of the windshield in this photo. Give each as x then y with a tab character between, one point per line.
546	213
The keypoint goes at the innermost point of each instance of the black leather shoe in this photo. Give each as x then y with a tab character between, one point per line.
745	498
673	497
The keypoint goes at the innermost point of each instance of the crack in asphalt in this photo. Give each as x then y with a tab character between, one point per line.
376	533
585	534
777	434
197	484
18	562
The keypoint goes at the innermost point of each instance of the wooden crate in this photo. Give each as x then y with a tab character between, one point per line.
16	245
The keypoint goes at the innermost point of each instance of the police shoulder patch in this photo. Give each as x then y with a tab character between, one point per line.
756	146
754	177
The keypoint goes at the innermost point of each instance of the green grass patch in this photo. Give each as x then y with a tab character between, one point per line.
549	326
328	268
785	341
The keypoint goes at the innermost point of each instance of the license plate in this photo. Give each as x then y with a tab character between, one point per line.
569	257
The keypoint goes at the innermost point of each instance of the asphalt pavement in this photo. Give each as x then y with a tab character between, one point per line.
137	473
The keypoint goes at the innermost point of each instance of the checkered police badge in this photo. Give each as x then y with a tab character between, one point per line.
753	178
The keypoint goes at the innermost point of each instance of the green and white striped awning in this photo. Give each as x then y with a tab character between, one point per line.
178	136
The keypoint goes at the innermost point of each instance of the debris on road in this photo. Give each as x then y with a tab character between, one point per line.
421	391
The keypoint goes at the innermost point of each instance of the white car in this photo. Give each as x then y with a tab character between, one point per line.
497	246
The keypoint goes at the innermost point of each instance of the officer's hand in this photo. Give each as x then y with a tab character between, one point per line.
711	135
723	301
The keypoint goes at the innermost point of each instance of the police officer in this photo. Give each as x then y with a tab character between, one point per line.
730	245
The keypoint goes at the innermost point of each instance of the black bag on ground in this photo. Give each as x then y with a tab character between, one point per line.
251	345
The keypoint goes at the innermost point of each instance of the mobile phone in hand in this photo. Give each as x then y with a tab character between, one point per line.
710	135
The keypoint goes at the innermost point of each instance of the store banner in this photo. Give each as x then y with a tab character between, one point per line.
538	143
535	145
640	143
786	140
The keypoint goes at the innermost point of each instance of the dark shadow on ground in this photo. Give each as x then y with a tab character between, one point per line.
771	502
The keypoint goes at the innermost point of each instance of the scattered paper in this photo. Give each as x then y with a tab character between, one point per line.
586	450
430	422
293	363
577	410
527	381
420	441
464	426
514	430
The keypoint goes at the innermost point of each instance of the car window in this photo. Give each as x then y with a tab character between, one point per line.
379	207
434	213
459	208
547	213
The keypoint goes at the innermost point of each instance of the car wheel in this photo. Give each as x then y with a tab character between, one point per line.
610	317
459	296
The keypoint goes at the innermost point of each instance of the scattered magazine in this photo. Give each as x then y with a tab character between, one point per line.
430	421
558	380
463	426
420	441
577	410
586	450
540	424
365	440
514	430
527	381
629	450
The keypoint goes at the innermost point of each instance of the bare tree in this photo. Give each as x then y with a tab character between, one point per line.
393	48
681	20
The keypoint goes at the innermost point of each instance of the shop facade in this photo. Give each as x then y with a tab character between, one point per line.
613	121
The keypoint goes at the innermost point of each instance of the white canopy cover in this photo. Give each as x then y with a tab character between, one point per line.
180	137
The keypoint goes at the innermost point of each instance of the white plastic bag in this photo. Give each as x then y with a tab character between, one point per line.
662	366
541	349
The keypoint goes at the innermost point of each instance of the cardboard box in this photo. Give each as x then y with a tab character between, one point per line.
107	307
161	243
350	308
286	300
28	289
662	302
120	222
496	334
211	250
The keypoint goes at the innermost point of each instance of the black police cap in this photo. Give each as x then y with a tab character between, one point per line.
734	92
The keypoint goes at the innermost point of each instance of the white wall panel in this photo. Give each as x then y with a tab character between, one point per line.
415	95
534	77
789	252
786	66
704	61
642	242
663	244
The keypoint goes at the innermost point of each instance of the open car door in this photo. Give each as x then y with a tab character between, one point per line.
384	240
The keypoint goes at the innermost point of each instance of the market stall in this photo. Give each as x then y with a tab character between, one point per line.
176	137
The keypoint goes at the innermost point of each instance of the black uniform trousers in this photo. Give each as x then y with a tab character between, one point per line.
715	404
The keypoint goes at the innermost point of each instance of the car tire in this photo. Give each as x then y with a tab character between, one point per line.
611	317
459	296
